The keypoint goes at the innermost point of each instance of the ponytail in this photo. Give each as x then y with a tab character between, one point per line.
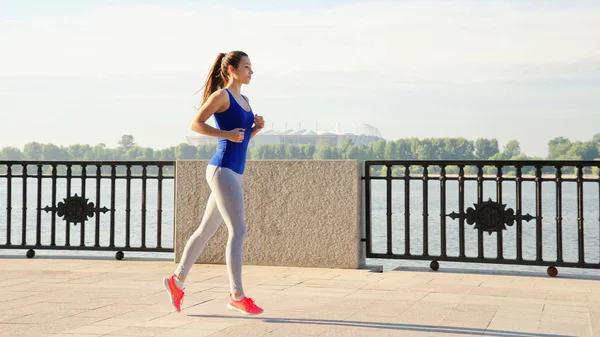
218	75
215	79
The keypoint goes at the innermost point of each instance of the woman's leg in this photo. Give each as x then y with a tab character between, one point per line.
211	221
227	189
197	242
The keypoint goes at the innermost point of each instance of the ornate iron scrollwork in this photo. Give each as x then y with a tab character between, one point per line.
490	216
75	209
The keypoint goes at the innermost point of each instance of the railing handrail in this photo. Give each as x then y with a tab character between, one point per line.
528	162
491	215
90	162
77	206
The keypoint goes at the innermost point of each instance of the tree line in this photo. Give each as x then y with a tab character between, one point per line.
559	148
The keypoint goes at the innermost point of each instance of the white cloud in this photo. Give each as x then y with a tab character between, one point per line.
450	40
411	68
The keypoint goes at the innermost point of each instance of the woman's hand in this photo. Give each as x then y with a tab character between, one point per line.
259	122
236	135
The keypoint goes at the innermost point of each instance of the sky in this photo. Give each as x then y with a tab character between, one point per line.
88	72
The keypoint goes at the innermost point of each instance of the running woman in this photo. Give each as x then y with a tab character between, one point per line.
235	125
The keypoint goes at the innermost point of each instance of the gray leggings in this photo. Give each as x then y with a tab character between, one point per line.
226	202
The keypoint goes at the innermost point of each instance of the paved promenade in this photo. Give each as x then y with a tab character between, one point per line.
81	297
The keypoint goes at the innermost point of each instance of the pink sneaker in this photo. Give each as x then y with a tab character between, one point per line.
175	294
245	306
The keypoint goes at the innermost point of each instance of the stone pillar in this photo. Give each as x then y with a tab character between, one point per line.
298	213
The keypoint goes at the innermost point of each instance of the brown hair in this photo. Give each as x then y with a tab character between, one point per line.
218	75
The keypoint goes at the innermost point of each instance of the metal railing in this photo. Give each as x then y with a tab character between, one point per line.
63	190
390	236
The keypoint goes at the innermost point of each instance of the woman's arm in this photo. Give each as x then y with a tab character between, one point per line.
259	122
215	103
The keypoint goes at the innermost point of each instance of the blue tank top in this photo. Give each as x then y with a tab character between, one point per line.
230	154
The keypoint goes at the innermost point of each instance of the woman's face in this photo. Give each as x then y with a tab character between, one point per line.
244	72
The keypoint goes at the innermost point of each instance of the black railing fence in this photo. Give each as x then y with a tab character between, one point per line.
104	206
543	213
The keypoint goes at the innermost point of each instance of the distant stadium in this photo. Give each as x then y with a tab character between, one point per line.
359	133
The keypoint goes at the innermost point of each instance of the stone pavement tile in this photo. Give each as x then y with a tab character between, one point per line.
336	272
359	303
566	313
443	297
71	335
21	302
298	327
562	287
578	330
299	290
329	283
117	322
525	310
141	315
458	282
303	276
204	324
245	329
258	292
8	329
269	287
368	318
577	308
354	332
82	305
17	280
455	328
6	295
526	293
138	331
418	287
370	332
333	314
509	314
472	313
56	326
381	285
462	326
287	332
93	329
484	299
506	284
567	296
281	281
162	323
519	302
391	295
367	276
9	317
295	303
427	313
501	325
44	317
572	304
209	308
386	308
454	289
186	333
161	305
489	291
564	319
109	311
595	325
